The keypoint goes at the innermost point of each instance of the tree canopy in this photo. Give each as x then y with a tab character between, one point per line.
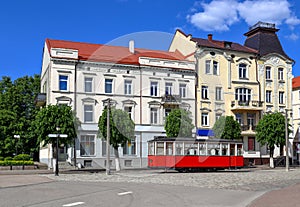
121	127
270	130
17	111
227	128
53	116
179	124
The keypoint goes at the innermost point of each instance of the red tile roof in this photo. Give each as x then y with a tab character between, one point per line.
296	82
111	54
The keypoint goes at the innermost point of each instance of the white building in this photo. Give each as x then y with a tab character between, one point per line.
145	83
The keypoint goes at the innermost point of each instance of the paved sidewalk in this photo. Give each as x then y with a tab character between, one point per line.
22	180
285	197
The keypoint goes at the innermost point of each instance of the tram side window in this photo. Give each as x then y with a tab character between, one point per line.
190	149
213	149
179	148
151	148
239	149
232	149
159	148
169	146
225	149
202	149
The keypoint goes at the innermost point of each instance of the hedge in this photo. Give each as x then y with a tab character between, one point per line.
16	162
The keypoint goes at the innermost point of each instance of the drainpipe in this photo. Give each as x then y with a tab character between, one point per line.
141	118
75	108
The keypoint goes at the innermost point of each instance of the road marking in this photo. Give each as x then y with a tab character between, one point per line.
125	193
73	204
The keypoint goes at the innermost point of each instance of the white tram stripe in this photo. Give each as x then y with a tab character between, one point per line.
73	204
125	193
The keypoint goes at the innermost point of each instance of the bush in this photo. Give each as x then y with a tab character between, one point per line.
8	158
22	157
15	162
1	158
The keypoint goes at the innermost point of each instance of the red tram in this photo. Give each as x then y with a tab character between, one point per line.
188	154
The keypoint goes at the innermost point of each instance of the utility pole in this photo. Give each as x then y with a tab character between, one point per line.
286	141
108	139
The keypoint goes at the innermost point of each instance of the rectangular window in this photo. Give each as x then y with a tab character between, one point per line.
251	143
268	96
218	116
218	93
207	66
239	118
108	85
130	147
128	87
215	68
88	84
242	71
63	82
87	145
268	73
88	113
154	116
281	97
182	90
280	73
154	89
243	95
128	109
251	119
204	119
168	88
204	92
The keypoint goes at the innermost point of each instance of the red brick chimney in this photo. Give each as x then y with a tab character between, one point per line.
209	37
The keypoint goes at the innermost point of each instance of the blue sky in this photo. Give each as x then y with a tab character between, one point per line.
26	24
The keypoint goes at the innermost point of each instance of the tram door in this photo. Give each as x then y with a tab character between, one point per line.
232	155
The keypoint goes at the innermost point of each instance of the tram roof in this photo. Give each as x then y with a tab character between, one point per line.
191	139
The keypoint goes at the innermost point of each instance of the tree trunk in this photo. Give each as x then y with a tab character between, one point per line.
271	157
117	160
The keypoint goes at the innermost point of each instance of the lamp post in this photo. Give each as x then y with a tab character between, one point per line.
57	136
16	136
286	141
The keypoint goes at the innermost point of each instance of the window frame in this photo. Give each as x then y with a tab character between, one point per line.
243	94
106	84
268	73
127	87
281	97
154	116
219	95
88	82
61	81
243	71
207	66
204	119
86	112
215	66
93	147
268	96
280	74
168	88
182	90
204	92
154	88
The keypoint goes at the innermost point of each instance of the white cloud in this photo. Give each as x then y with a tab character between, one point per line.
219	15
293	37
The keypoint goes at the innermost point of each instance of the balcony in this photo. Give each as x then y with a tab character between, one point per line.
40	99
247	105
171	101
248	129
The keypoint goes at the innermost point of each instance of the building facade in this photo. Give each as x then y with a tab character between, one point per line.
147	84
296	119
244	81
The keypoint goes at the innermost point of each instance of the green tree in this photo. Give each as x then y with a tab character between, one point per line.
53	116
7	142
121	130
227	128
270	131
17	98
179	124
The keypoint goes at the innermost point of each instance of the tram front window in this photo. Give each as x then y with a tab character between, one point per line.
239	149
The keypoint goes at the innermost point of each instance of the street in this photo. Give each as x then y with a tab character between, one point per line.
144	188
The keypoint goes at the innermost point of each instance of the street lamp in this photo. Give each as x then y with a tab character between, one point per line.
287	140
57	140
16	136
108	139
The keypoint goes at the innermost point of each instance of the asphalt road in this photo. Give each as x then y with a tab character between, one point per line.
78	193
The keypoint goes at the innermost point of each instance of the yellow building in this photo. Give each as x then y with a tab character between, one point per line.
244	81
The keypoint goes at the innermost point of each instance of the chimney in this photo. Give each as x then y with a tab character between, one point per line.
131	46
209	37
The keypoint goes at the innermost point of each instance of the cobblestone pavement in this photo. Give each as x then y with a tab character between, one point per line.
249	180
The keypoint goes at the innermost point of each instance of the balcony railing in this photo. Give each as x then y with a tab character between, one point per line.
257	105
248	127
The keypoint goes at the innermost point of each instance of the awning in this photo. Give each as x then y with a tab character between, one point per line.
205	132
